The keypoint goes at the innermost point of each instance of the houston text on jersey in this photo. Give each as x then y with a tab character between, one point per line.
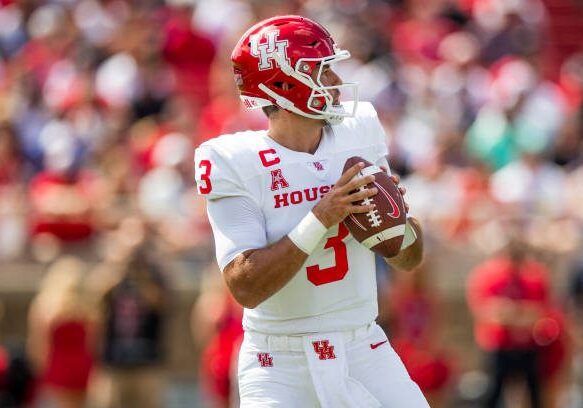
298	196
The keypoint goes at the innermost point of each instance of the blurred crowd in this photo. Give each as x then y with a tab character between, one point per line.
103	101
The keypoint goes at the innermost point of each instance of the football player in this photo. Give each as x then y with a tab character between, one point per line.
276	200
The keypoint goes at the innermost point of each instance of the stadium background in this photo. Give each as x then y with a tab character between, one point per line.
481	101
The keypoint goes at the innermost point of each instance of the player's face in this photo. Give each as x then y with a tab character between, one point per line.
329	78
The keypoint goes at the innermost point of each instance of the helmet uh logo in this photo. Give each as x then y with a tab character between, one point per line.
264	50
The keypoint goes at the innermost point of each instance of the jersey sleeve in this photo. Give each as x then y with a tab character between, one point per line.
215	174
238	225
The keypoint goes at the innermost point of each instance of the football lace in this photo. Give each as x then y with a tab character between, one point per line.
374	218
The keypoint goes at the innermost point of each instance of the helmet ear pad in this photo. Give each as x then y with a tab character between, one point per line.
318	102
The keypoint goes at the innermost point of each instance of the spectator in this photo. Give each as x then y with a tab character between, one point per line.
11	163
164	196
530	185
65	198
416	331
575	309
192	69
218	331
16	377
132	355
61	334
13	232
508	295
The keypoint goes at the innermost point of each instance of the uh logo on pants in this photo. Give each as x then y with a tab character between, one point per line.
324	350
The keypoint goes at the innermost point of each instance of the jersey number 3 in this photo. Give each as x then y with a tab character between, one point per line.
205	177
340	268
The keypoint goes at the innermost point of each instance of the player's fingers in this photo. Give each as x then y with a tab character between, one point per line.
384	168
349	174
402	190
362	194
406	206
358	182
396	179
362	208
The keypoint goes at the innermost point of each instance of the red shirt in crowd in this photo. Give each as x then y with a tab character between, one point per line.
416	318
191	69
62	206
219	355
70	359
498	279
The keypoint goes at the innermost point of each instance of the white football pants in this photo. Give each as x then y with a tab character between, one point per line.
357	368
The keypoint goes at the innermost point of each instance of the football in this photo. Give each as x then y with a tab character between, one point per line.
382	229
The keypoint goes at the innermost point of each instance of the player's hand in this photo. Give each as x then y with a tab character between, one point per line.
339	201
396	179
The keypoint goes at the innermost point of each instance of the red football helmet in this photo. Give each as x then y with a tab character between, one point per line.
274	62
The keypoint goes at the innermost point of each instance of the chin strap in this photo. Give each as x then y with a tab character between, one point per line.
336	114
332	118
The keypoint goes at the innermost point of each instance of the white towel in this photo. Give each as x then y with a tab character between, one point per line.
326	354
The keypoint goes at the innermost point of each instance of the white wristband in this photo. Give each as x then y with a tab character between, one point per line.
410	235
308	233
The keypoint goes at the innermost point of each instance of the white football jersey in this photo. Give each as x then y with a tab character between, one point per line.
336	287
